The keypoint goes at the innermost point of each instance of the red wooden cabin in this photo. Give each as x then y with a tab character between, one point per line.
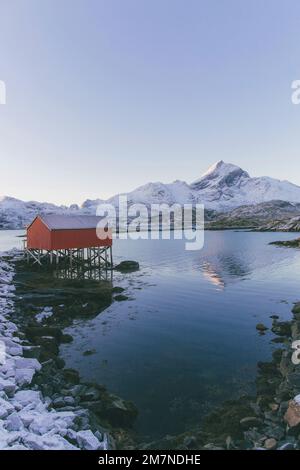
63	232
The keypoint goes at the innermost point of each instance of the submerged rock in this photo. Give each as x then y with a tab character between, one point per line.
120	297
118	290
89	352
282	328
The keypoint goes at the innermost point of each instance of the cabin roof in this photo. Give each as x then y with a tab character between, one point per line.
69	222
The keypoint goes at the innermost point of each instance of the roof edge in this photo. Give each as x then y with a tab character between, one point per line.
42	220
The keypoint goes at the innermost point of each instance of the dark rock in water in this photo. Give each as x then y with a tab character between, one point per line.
118	290
71	375
190	442
127	266
296	311
226	420
251	422
120	297
294	380
32	352
48	343
282	328
296	308
89	352
295	330
277	355
90	394
267	368
287	243
279	339
60	363
115	410
66	338
261	327
36	331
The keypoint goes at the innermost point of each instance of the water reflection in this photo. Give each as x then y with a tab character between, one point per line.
225	269
211	274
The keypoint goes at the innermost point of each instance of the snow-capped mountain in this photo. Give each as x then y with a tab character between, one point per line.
15	213
226	186
222	188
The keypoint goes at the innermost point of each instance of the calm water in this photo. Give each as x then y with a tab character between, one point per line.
186	339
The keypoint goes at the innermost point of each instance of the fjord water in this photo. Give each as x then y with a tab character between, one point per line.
185	340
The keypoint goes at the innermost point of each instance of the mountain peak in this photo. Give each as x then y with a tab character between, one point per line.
221	168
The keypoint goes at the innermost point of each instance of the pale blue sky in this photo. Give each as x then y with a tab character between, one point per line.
106	95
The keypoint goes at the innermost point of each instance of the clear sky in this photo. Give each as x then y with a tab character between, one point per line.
106	95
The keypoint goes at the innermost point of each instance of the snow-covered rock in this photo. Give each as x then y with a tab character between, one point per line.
24	376
5	408
7	385
47	312
27	421
14	422
27	397
87	440
27	363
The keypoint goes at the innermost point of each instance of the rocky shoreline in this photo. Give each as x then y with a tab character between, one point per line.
44	405
287	243
268	421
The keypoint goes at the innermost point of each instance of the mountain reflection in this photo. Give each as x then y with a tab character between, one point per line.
224	269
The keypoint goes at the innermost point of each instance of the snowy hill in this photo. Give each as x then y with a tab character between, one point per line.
222	188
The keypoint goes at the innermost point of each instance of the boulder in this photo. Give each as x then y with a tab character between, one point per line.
292	415
5	408
15	350
8	386
261	327
36	331
296	308
34	442
87	440
14	423
71	375
270	444
120	297
28	363
24	376
26	397
127	266
48	344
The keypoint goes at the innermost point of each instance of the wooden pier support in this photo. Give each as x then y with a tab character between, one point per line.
91	263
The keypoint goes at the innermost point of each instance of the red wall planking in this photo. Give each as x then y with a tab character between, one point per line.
39	236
